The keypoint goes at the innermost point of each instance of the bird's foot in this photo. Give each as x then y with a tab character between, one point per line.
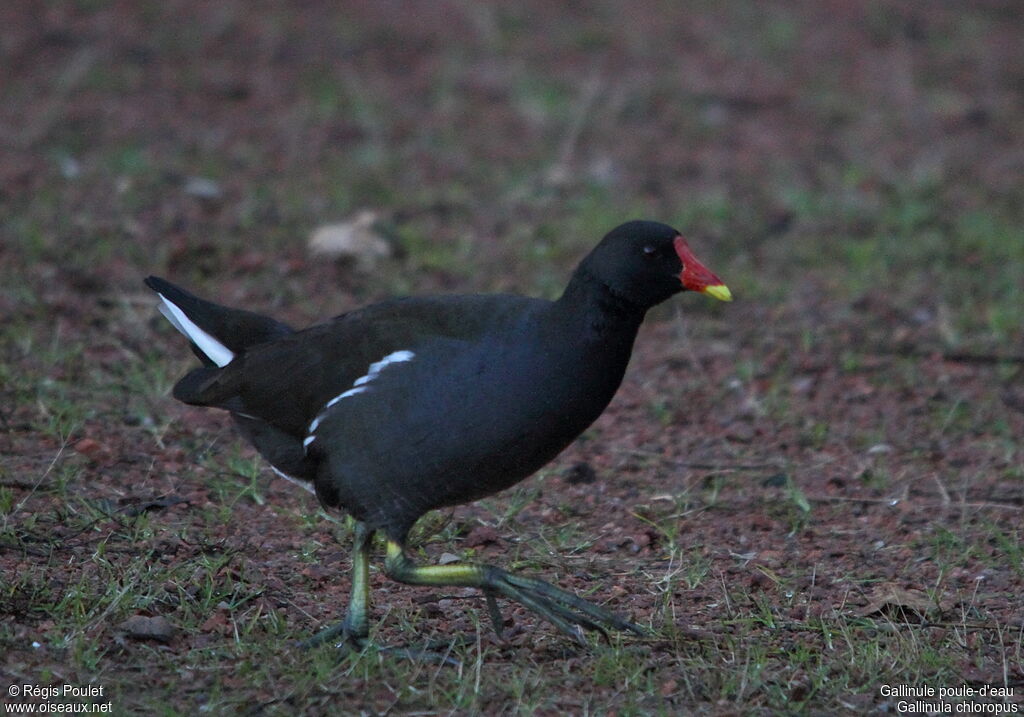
570	613
348	641
438	653
342	634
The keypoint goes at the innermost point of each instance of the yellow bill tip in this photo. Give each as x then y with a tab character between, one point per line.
719	291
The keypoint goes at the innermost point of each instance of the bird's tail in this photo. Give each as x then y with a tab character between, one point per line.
217	334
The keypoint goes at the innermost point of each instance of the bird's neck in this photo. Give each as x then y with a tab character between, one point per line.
604	313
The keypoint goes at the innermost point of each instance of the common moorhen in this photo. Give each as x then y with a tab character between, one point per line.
413	404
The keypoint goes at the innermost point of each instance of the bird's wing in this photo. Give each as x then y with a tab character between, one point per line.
288	381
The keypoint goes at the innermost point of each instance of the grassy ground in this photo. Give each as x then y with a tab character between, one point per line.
808	495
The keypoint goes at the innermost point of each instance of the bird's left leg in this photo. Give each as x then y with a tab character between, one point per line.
354	629
353	632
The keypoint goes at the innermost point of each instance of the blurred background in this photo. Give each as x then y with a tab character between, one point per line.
820	146
852	170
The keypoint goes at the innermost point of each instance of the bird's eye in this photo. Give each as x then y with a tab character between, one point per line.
650	250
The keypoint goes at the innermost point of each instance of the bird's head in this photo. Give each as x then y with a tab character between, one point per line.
647	262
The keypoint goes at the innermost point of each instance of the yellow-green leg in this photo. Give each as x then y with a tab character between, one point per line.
569	613
355	628
353	632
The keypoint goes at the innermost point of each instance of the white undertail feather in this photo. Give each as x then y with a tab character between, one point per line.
214	349
306	486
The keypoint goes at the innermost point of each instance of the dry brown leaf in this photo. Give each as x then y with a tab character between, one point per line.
891	599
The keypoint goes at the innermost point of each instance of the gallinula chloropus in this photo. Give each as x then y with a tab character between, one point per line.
413	404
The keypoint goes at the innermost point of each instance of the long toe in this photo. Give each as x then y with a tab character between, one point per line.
436	653
566	601
347	643
339	633
569	613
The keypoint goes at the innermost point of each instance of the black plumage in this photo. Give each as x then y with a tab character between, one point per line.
413	404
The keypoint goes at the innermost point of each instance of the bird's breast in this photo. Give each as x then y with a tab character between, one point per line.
460	421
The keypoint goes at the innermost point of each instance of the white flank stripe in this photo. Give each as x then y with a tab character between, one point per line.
376	368
359	386
301	483
350	392
214	349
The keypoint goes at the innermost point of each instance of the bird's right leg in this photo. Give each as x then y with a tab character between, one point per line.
568	612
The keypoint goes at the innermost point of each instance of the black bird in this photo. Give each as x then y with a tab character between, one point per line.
412	404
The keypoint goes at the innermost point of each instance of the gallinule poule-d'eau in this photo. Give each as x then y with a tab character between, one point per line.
413	404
